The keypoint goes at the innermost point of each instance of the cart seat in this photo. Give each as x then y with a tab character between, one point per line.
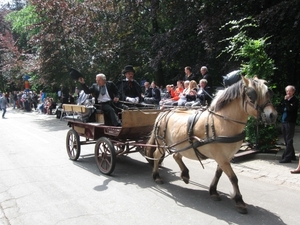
77	112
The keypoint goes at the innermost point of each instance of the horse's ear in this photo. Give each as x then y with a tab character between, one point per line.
245	81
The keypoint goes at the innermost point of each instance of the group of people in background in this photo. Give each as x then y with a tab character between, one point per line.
26	101
187	92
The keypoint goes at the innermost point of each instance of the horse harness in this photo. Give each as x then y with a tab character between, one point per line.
195	142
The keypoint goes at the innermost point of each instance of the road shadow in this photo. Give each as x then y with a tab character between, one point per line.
52	124
129	171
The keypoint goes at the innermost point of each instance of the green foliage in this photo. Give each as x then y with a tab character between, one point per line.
158	37
262	136
22	23
254	62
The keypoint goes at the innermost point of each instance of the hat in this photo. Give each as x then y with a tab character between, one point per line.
75	74
128	68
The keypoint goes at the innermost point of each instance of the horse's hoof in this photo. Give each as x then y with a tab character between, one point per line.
216	197
185	179
159	181
242	209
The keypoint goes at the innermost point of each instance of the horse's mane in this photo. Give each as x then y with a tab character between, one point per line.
224	97
234	91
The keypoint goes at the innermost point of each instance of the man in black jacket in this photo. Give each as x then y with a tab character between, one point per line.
289	109
206	76
130	89
188	74
106	94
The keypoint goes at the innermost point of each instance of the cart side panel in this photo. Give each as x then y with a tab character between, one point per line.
86	130
139	118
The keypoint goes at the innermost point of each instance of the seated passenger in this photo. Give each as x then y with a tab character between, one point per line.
168	95
174	99
153	96
200	98
106	95
188	86
130	90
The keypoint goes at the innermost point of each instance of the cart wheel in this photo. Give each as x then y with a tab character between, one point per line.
73	145
105	155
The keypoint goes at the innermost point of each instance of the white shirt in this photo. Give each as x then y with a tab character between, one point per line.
104	98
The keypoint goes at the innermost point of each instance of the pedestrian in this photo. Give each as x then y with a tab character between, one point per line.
297	170
289	109
4	103
15	98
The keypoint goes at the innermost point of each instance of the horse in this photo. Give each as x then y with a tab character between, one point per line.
216	132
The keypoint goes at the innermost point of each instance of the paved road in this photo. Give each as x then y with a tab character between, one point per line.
40	185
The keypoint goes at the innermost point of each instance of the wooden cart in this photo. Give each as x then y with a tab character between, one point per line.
110	141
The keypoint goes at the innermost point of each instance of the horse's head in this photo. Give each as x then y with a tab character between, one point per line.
256	100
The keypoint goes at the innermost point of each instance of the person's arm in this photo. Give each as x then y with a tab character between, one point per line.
85	88
157	96
291	105
175	95
115	92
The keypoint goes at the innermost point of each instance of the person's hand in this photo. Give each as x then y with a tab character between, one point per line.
133	100
81	80
286	97
116	99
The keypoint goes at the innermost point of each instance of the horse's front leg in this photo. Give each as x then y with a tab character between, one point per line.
239	202
156	155
184	170
213	186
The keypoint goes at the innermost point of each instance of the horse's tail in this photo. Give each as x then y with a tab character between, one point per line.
149	150
153	140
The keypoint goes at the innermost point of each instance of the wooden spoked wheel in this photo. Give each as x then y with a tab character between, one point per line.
73	145
105	155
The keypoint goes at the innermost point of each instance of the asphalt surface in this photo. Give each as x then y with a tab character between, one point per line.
39	183
263	165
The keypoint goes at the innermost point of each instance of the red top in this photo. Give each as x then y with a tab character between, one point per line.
177	92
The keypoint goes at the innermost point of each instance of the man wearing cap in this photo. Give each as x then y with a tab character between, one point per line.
106	94
130	89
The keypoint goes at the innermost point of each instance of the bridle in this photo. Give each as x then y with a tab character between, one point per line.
247	101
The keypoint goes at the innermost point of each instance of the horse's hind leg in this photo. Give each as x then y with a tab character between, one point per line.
213	186
239	203
184	170
156	155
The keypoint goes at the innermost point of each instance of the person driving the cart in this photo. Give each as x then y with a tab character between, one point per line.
130	89
106	97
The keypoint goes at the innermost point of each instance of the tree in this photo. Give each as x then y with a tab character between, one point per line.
254	62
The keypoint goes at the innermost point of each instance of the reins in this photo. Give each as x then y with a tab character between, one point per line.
226	118
196	142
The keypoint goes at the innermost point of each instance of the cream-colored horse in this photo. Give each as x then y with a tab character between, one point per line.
215	133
